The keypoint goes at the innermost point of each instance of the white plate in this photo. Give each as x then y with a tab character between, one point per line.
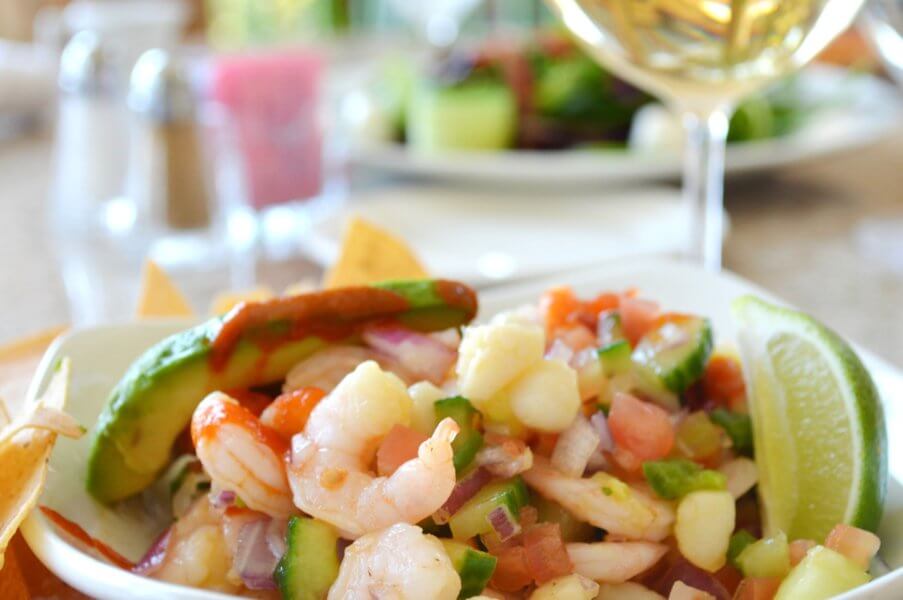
482	236
100	355
858	109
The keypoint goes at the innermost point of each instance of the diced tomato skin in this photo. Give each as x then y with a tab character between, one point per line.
288	413
641	428
603	302
758	588
723	381
798	550
577	337
398	447
546	557
544	443
511	571
638	317
857	544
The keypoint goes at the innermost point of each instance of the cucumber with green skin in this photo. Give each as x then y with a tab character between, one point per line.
469	440
675	353
153	402
474	567
472	519
615	358
310	564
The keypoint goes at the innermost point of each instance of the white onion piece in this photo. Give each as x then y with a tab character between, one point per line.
275	536
560	351
421	355
575	446
327	367
600	424
506	459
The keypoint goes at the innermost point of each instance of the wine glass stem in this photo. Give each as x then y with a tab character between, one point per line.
703	187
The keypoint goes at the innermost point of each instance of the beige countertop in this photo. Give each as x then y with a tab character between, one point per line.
793	231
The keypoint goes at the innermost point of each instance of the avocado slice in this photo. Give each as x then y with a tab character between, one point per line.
255	344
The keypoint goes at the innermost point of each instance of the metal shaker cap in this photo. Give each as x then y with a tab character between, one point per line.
159	88
84	65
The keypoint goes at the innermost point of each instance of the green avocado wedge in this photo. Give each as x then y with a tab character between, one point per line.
255	344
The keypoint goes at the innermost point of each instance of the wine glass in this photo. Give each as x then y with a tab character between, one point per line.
700	57
438	22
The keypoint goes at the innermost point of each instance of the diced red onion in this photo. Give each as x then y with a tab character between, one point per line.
223	499
276	536
153	558
560	351
503	523
574	447
464	490
506	459
419	354
254	560
692	576
600	424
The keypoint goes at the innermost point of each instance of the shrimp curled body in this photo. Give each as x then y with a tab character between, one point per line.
329	470
241	454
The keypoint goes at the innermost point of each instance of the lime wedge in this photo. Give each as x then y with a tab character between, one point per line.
818	426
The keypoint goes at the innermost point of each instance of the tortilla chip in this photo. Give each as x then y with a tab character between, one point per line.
18	362
24	455
226	301
159	296
370	254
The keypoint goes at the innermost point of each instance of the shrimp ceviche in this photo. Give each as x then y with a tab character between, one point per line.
370	442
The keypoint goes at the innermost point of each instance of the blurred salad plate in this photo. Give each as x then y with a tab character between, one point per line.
546	113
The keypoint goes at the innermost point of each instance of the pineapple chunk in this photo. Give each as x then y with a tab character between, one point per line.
423	410
823	574
492	356
546	397
768	557
705	521
626	591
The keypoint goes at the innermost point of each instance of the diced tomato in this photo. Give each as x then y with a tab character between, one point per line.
729	577
544	443
511	571
547	558
641	428
602	303
626	464
253	401
758	588
528	516
398	447
798	550
723	381
288	413
859	545
638	317
558	306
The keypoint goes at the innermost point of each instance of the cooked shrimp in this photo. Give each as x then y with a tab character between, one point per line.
614	562
329	366
196	552
329	471
398	563
241	454
604	501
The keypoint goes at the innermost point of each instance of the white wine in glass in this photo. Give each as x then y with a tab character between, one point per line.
701	57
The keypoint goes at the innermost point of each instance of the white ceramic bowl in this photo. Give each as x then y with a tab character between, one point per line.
100	356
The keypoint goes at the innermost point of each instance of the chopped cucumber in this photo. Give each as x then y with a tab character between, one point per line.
473	566
737	426
615	358
675	478
472	518
768	557
822	574
310	564
469	440
739	541
675	352
609	328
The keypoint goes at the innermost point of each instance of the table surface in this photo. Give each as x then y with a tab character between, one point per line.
793	231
